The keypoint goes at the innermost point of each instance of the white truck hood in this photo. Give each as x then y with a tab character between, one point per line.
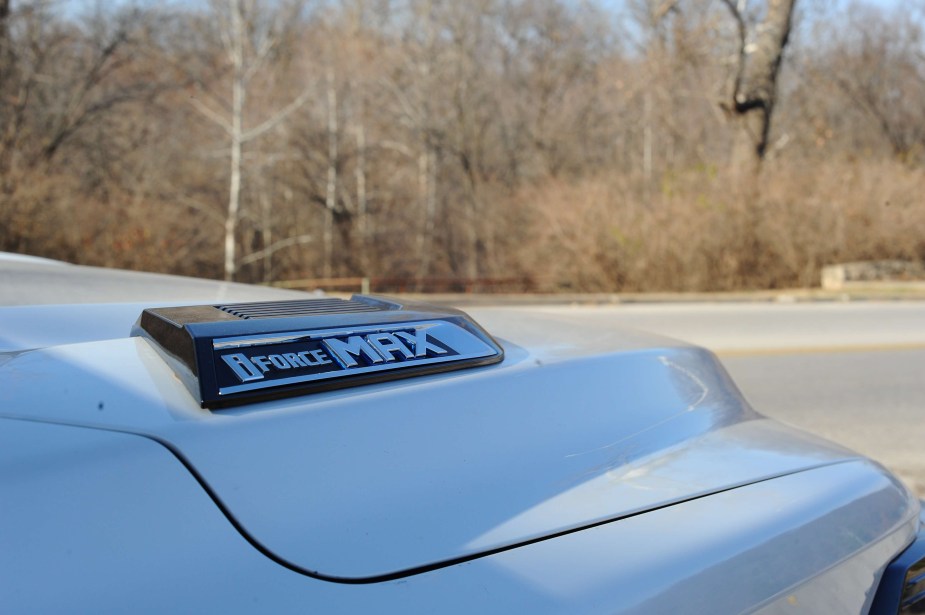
575	428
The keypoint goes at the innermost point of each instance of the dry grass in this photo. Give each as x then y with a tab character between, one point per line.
697	230
701	230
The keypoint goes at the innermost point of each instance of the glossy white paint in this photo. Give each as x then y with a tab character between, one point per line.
108	522
383	479
36	281
594	470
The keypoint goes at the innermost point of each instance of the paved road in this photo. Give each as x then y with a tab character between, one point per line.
870	401
851	372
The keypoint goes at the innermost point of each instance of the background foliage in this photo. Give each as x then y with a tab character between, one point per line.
562	145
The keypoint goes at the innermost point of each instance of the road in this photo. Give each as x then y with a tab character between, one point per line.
852	372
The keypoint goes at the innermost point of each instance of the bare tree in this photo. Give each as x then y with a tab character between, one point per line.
62	84
457	140
248	45
4	40
879	72
754	91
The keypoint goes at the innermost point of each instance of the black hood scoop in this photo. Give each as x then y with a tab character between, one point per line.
244	352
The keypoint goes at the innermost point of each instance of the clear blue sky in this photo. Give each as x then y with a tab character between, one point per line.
885	4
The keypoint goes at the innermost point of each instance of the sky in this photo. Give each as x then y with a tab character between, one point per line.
77	7
81	4
889	4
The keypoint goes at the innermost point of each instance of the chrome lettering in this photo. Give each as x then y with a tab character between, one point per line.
242	367
294	360
313	358
420	343
320	357
387	345
345	351
307	358
261	362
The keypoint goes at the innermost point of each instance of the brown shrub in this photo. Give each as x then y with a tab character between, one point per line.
698	230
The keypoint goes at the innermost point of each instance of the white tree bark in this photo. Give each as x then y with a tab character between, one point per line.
238	92
330	201
246	62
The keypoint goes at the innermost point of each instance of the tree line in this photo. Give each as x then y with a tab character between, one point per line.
645	145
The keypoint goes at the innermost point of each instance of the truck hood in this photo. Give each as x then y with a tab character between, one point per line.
577	427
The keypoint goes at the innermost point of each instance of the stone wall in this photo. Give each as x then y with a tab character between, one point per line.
839	276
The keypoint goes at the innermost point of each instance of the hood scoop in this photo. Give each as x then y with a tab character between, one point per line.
240	353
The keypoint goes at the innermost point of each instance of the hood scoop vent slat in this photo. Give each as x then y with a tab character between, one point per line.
308	307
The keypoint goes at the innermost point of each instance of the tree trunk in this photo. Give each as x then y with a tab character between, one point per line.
330	201
427	192
237	111
4	40
362	207
266	233
755	87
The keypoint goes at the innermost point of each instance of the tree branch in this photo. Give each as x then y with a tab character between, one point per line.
275	247
281	115
210	114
